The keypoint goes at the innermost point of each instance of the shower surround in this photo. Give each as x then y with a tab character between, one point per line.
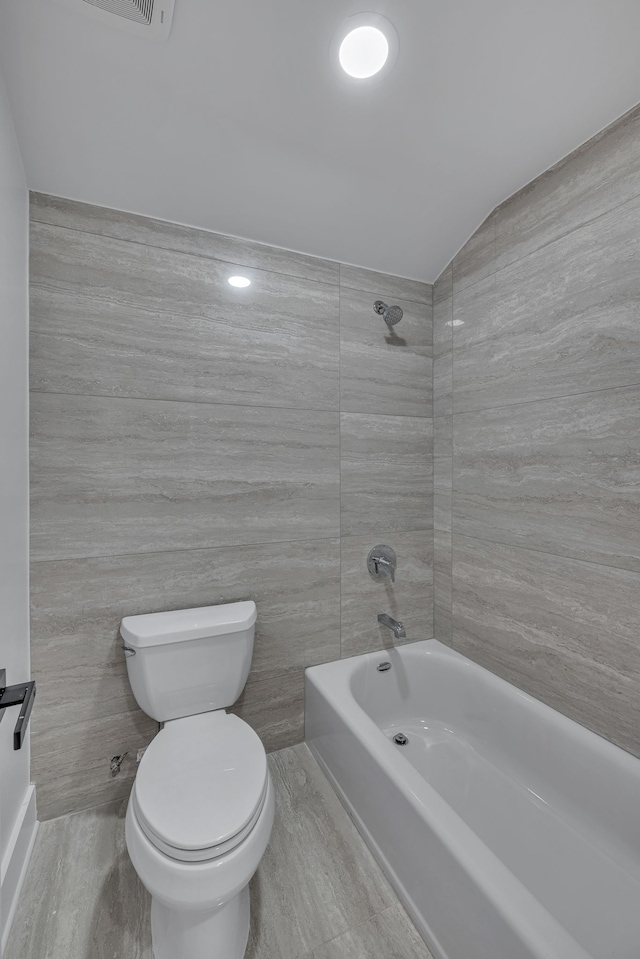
537	439
194	444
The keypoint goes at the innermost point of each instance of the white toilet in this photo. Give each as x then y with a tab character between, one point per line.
201	809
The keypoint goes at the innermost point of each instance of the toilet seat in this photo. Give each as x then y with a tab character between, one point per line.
201	786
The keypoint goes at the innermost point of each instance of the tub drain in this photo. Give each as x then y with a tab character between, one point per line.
400	739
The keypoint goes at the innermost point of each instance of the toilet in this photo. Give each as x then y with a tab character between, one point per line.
201	808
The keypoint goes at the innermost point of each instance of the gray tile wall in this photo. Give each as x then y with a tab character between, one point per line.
537	439
195	444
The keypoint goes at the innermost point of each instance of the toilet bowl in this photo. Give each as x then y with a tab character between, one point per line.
201	809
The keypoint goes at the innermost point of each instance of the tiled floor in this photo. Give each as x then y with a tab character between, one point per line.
318	893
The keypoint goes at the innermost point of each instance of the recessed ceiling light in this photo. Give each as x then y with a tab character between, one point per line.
239	281
363	52
365	46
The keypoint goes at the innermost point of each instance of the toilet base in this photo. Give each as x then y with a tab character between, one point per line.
221	934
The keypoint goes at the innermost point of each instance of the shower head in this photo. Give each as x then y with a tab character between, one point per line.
390	314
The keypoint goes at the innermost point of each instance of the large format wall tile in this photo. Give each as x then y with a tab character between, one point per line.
146	231
564	631
442	585
382	370
77	607
385	284
274	706
409	599
546	415
443	287
386	473
76	642
122	319
70	764
597	177
186	452
476	259
121	476
443	358
442	452
563	320
442	509
558	475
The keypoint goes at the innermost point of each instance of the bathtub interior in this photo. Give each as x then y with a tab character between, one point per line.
556	804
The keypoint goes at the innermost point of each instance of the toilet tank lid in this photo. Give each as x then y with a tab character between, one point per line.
156	629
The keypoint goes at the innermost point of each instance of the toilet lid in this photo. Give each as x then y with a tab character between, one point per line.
201	785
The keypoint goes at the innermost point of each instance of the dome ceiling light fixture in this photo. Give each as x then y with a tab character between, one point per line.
240	282
365	46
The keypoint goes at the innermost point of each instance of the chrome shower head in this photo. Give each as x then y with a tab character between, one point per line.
390	314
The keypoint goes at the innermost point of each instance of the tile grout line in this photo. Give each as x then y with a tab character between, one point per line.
561	236
364	922
205	549
246	266
375	293
433	460
73	293
178	401
191	253
340	445
542	552
548	399
241	406
189	549
450	563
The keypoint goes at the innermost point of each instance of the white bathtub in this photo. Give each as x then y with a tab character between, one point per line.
509	831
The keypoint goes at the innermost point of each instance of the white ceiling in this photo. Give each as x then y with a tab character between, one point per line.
239	123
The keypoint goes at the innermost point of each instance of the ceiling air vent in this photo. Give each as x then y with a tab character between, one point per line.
149	19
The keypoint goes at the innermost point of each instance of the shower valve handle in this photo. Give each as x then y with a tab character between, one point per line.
381	561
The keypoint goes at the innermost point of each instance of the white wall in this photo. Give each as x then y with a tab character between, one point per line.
16	800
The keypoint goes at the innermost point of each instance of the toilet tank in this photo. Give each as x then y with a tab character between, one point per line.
189	661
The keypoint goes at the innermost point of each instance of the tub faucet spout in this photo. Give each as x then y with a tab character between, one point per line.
396	628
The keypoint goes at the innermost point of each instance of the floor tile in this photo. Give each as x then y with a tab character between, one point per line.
390	935
82	898
317	879
318	892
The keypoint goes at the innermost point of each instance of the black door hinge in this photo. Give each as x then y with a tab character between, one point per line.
21	695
